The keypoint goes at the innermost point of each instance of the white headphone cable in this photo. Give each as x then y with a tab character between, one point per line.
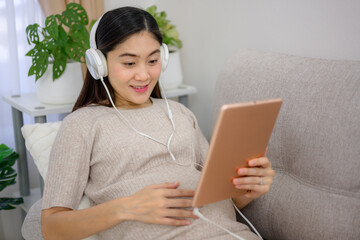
247	220
143	134
130	125
198	213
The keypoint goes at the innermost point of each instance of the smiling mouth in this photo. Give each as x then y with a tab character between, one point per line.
139	87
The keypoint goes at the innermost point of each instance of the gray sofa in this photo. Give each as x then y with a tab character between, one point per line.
315	145
314	149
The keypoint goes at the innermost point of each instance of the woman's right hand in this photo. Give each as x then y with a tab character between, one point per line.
160	204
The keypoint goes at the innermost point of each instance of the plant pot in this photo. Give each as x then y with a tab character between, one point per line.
172	77
65	89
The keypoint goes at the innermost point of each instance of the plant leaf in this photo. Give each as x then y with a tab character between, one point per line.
8	175
31	71
79	34
62	39
49	44
32	33
40	60
64	36
4	184
59	64
7	172
76	51
51	26
152	10
30	53
7	203
5	151
73	14
167	30
8	162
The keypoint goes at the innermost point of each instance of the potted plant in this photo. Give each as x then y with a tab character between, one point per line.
172	77
7	176
58	49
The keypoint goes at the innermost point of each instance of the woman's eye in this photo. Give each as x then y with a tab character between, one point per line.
153	61
129	64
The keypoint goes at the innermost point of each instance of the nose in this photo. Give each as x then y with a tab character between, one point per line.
142	73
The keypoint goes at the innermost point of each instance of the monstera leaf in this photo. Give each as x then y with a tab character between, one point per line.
64	37
7	176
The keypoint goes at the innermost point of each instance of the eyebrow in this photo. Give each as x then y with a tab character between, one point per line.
134	55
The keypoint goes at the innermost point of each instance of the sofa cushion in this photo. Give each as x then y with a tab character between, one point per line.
39	138
315	144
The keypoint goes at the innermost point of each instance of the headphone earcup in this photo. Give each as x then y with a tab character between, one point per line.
96	63
164	55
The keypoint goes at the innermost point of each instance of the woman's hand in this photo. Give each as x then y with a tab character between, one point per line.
256	178
160	204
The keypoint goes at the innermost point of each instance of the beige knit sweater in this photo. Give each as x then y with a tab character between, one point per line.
97	154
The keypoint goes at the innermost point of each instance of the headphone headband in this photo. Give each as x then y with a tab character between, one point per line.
93	34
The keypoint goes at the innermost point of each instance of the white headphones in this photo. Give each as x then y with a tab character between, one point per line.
96	61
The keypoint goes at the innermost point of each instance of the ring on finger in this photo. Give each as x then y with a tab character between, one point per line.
261	181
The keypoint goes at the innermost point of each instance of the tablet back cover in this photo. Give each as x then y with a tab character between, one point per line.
242	132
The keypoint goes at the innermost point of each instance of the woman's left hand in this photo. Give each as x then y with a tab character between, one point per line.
256	178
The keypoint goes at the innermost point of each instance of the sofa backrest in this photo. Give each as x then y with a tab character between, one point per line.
315	145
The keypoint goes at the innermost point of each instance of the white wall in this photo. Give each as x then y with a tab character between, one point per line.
212	30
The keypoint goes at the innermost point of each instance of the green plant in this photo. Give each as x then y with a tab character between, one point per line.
64	37
7	176
168	30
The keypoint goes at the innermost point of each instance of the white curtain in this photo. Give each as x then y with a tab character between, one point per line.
15	16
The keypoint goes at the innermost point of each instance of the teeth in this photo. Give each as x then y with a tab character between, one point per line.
138	87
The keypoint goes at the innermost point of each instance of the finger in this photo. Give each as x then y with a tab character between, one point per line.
260	162
179	203
256	172
178	213
177	193
165	185
251	180
256	188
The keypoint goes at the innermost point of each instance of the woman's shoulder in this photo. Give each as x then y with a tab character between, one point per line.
181	108
89	112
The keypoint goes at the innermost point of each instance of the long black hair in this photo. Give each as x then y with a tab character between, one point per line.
115	27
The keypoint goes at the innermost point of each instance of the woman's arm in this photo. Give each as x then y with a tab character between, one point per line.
64	223
157	204
256	179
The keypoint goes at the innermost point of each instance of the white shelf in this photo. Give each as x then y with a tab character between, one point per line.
182	90
29	104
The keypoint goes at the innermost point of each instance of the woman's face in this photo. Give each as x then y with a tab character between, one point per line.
134	68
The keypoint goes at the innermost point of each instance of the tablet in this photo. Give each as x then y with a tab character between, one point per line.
242	132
